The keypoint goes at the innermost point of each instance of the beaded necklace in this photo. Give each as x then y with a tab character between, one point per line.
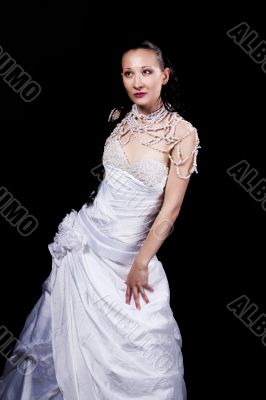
137	124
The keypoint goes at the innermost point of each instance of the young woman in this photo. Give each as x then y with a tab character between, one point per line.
103	327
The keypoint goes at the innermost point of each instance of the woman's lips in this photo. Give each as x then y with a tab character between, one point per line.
139	94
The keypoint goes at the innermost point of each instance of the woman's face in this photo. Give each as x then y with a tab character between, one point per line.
143	78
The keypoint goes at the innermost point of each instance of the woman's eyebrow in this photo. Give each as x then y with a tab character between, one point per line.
144	66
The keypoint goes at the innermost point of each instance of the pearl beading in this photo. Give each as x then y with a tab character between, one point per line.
137	124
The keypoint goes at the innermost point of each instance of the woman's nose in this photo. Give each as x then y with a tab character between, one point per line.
138	81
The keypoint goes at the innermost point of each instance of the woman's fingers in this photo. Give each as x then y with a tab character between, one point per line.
136	296
148	287
136	290
144	295
128	294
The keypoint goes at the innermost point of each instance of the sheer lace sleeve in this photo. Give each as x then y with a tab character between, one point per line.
183	153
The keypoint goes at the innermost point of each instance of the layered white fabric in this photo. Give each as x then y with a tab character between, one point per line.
82	341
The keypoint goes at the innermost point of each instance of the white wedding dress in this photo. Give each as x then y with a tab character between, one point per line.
81	341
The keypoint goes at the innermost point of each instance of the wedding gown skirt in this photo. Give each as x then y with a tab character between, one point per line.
81	341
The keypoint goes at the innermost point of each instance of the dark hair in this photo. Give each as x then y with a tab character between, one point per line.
170	93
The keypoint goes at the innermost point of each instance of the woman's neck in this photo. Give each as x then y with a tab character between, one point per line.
149	110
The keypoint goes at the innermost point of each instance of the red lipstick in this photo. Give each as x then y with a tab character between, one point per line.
139	94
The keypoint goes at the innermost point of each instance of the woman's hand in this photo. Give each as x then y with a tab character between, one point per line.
137	281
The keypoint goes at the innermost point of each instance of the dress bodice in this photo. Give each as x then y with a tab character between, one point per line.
149	171
132	193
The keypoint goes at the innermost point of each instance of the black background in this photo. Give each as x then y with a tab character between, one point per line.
49	146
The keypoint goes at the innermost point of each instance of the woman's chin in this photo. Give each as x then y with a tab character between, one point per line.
140	101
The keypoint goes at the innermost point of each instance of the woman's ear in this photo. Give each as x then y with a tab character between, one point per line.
166	75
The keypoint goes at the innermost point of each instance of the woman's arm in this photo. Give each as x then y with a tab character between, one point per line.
164	222
183	163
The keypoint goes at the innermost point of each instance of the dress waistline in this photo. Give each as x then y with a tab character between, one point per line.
104	245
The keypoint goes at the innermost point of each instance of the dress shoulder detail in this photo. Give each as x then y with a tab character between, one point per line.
183	151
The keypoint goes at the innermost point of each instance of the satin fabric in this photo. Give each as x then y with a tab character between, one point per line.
82	341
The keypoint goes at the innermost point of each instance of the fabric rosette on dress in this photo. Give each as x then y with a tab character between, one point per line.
70	237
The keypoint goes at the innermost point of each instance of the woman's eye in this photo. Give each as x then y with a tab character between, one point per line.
128	74
147	72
